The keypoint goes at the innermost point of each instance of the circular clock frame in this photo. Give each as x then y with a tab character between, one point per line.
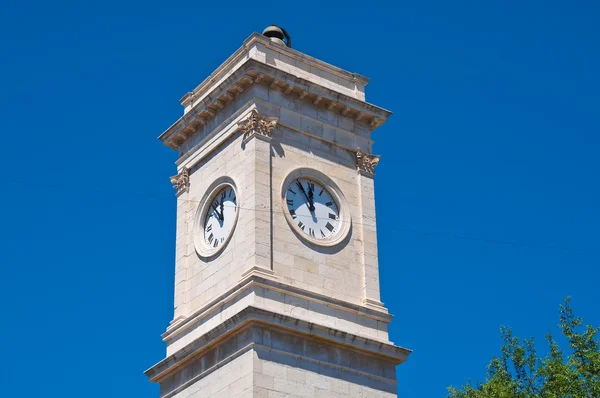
345	220
202	248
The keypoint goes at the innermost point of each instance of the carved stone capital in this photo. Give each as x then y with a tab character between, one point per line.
256	124
181	181
366	163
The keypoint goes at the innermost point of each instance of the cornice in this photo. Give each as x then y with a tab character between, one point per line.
230	126
307	59
254	72
256	316
243	51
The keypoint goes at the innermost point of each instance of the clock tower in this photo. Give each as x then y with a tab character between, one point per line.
276	267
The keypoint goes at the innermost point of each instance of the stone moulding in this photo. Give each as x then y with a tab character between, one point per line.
181	181
255	328
214	138
194	120
379	314
366	163
256	124
229	127
220	98
242	53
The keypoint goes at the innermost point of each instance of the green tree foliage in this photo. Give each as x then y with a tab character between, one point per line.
519	373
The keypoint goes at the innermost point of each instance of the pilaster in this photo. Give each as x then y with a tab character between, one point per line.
257	130
181	183
365	168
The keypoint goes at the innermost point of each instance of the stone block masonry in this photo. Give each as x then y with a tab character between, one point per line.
274	314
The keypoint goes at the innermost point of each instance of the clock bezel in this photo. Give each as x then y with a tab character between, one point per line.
345	220
202	248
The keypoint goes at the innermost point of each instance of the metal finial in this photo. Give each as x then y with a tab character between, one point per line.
278	35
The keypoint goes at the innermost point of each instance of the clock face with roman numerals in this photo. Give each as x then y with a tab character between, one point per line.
220	217
312	208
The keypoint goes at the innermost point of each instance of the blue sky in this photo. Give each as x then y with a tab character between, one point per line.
487	193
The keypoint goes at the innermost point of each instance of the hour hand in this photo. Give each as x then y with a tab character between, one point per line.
311	198
215	206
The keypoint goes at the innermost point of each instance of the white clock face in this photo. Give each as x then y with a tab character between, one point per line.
220	217
312	208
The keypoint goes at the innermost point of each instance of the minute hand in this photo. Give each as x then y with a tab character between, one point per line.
311	207
222	208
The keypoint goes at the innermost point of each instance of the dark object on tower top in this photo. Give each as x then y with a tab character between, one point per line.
278	35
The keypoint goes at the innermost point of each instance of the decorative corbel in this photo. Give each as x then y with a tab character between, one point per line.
366	163
181	181
256	124
375	122
172	144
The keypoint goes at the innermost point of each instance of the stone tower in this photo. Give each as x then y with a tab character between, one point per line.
276	271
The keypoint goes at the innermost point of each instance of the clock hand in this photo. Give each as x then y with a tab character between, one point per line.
302	189
311	198
311	207
222	206
214	206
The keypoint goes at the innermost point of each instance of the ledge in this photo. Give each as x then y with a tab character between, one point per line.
254	38
314	338
252	281
255	72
